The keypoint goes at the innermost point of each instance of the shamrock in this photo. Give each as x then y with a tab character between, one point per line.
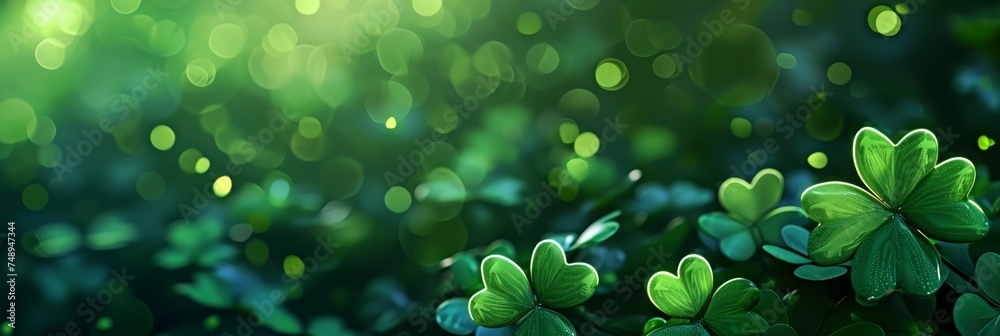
887	229
452	315
974	316
748	224
796	238
683	297
508	297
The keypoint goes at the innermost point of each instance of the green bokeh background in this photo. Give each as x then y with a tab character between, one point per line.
210	148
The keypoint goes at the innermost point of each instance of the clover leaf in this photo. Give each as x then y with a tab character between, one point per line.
509	298
684	297
796	238
453	316
194	242
887	230
974	316
465	265
750	221
598	231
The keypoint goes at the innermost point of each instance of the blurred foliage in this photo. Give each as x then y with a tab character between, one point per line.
344	167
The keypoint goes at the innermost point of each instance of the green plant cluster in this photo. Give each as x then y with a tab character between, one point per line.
886	236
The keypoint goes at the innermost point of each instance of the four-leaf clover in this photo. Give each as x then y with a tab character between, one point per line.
747	225
887	229
684	297
508	297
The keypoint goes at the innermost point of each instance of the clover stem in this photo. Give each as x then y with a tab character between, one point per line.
957	282
995	207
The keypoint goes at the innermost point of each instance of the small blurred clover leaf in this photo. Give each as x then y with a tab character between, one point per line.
465	265
194	242
797	238
208	290
453	316
730	312
598	231
974	315
888	231
748	225
509	298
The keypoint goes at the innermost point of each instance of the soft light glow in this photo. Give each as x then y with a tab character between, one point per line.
222	186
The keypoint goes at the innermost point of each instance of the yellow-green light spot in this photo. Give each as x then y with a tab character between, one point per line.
543	58
577	168
426	7
397	199
787	61
282	37
817	160
16	117
42	131
611	74
201	166
390	123
162	137
307	7
666	66
125	6
888	23
883	20
586	144
35	197
801	17
741	127
985	142
188	159
50	53
222	186
294	268
310	128
200	72
568	131
226	40
902	9
150	186
529	23
839	73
